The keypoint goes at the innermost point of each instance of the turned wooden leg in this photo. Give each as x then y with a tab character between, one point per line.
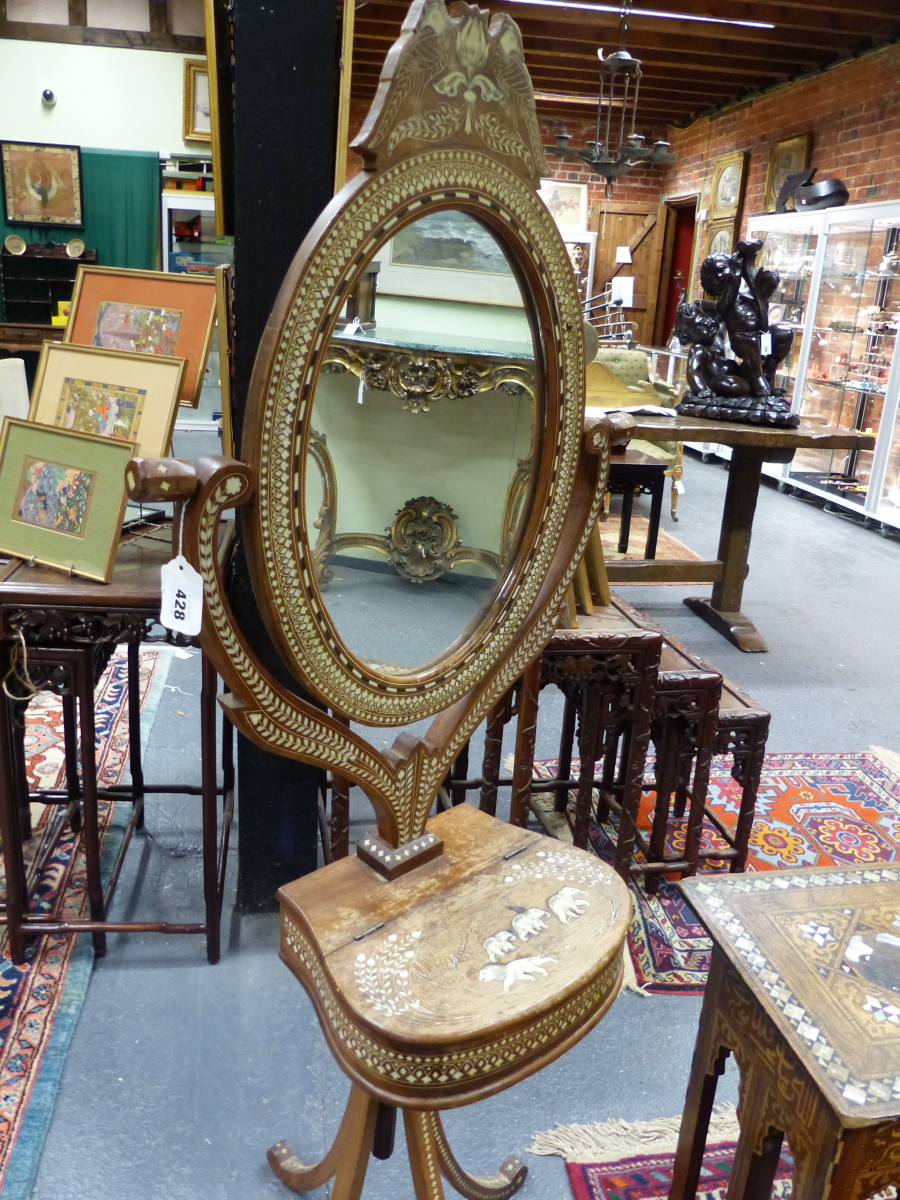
497	718
564	762
526	735
424	1159
345	1162
499	1186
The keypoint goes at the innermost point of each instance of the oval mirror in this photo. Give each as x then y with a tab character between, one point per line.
422	443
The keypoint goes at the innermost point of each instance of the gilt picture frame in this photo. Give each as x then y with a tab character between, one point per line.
108	393
727	186
62	497
195	120
42	184
785	158
720	236
146	312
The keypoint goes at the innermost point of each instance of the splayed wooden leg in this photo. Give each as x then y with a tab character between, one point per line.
499	1186
424	1160
345	1162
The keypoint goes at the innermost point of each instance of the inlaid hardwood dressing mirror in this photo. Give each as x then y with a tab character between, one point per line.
416	498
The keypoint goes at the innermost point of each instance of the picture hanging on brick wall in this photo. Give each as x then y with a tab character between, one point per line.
785	158
720	237
568	202
727	186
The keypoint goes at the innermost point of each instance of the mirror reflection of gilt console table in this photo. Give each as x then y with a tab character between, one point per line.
422	542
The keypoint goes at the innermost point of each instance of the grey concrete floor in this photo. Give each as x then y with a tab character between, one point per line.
181	1074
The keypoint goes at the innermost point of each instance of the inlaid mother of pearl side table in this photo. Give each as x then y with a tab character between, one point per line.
804	989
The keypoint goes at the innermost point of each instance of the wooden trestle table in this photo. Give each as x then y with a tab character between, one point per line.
751	446
57	634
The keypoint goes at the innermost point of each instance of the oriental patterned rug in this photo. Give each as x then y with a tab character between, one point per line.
812	810
632	1160
41	1000
667	546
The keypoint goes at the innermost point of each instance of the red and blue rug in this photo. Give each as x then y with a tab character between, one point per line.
41	1000
621	1160
813	810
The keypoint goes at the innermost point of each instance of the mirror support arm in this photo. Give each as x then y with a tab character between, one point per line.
618	427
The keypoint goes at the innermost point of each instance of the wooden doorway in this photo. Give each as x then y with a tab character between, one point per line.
640	227
677	264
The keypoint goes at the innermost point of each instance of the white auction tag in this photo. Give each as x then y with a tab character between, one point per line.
182	597
679	487
765	343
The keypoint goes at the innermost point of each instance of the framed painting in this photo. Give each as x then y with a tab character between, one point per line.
720	237
727	186
109	393
785	158
568	202
62	497
448	255
218	19
196	124
146	312
42	185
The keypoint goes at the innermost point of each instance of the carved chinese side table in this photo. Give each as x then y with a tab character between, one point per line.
804	990
65	629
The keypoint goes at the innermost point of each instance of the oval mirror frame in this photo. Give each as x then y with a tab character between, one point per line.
277	425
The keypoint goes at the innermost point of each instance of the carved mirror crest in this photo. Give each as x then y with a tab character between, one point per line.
431	464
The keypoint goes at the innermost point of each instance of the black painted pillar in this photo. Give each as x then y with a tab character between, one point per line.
286	79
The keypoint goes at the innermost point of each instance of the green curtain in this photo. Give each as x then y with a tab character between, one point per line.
121	210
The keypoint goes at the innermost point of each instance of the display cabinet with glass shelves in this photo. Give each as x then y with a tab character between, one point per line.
840	289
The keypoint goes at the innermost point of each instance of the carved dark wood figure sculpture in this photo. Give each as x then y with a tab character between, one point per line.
453	956
721	388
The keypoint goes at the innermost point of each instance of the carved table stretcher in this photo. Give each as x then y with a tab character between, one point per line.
804	989
752	445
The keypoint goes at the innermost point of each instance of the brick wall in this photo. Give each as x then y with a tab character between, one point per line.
641	184
852	112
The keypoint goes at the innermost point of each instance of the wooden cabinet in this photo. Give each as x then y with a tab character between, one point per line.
32	284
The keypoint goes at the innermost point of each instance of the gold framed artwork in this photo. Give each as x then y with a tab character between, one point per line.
62	497
727	186
108	393
42	184
146	312
219	24
785	158
196	125
720	237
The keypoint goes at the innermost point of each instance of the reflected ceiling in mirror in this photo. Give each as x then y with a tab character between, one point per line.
422	445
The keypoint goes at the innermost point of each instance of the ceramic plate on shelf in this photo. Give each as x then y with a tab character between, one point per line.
75	248
15	244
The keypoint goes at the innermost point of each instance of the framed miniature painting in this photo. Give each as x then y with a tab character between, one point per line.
146	312
109	393
568	203
42	185
785	158
62	497
196	125
720	237
727	186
